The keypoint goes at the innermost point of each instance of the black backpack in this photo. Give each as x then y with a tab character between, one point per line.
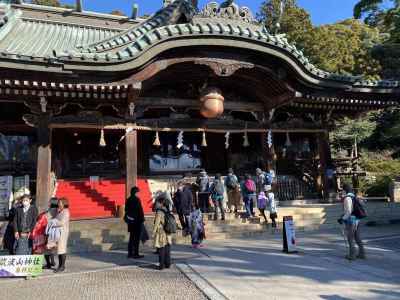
231	182
358	208
268	178
169	223
204	184
218	188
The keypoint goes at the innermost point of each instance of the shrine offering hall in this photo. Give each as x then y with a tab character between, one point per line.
93	104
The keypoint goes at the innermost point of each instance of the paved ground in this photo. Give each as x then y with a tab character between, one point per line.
253	268
257	268
108	276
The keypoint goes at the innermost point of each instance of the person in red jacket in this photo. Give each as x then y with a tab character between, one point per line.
39	238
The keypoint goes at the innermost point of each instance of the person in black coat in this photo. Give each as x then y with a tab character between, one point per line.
134	217
9	235
184	205
24	222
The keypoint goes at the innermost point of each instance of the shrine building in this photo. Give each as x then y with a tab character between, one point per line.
89	98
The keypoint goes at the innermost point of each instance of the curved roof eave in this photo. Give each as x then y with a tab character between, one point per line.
170	37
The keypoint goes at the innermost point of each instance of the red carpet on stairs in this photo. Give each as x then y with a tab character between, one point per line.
99	200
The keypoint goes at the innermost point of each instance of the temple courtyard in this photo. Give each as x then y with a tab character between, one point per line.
246	268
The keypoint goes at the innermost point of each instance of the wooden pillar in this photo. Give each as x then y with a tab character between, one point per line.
131	140
325	160
131	159
43	177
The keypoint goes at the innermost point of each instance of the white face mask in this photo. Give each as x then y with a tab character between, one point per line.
25	203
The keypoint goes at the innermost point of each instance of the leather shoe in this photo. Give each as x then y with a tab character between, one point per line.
58	270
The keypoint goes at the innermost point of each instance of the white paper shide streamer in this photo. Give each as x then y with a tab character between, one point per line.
269	139
227	135
180	140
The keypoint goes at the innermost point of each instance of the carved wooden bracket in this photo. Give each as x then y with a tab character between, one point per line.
133	95
223	67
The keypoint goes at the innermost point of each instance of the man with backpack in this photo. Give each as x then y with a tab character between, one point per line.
233	191
184	205
203	183
353	213
164	227
248	188
217	195
260	180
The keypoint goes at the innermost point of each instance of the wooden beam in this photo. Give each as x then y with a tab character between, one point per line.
131	159
189	129
160	102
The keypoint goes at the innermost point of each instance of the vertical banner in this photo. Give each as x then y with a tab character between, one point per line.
289	235
21	186
6	194
21	265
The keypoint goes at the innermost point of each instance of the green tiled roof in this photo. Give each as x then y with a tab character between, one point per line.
38	38
24	39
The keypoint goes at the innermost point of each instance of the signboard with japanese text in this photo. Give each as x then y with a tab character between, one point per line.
21	186
6	195
289	235
21	265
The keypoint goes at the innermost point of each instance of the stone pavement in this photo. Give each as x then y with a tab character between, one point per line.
252	268
107	275
257	268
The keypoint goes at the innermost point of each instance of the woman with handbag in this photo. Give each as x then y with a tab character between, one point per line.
62	222
134	218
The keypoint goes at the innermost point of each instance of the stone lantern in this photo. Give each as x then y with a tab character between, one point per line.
212	103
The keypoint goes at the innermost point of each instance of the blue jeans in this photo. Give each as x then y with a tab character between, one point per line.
218	203
249	204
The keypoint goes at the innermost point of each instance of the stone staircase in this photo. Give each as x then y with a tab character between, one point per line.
111	234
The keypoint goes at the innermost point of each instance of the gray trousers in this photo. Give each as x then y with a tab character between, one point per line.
354	237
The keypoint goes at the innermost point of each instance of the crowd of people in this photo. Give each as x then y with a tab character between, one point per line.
251	191
30	233
47	233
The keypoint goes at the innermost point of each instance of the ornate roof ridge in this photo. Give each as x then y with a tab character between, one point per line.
161	18
227	10
242	30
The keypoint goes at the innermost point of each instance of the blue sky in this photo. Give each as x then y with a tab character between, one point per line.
322	11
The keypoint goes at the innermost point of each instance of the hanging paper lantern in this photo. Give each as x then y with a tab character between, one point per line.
204	140
212	103
157	142
102	139
227	140
269	139
246	140
288	142
179	143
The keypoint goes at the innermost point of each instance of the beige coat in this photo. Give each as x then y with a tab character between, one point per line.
63	222
161	239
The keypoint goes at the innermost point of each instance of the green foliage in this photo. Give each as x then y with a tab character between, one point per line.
342	48
384	15
387	133
293	20
378	188
384	170
347	130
